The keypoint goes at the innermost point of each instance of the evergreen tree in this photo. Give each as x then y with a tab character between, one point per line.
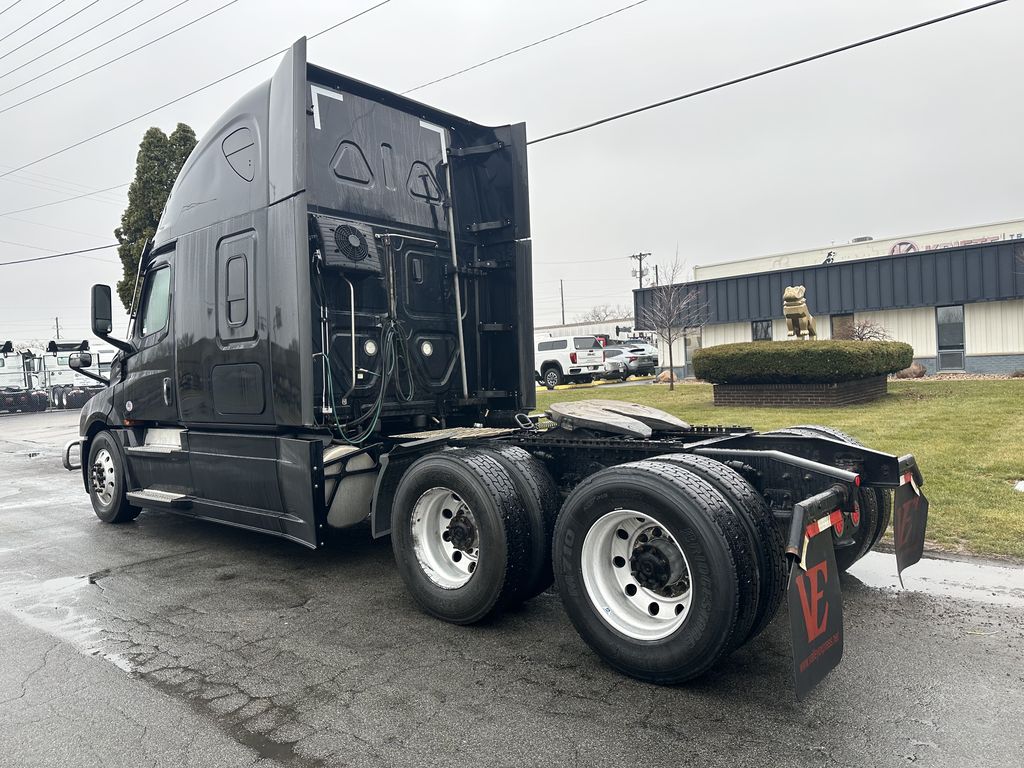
156	167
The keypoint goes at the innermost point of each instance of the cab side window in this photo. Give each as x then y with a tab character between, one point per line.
156	303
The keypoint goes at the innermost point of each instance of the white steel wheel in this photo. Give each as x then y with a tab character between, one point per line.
445	538
103	476
636	575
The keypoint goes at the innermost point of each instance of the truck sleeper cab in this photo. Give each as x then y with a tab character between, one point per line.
335	324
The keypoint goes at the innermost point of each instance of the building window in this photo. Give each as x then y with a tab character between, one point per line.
761	330
949	323
842	326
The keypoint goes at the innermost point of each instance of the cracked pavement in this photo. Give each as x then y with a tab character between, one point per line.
171	642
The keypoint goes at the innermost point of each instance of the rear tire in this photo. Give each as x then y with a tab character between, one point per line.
540	500
460	535
552	377
106	479
671	610
759	523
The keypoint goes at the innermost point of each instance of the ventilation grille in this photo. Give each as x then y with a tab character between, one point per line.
347	245
351	243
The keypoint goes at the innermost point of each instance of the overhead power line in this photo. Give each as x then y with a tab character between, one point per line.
55	228
566	132
15	31
58	186
98	67
63	200
56	255
65	20
528	45
219	80
79	36
5	10
770	70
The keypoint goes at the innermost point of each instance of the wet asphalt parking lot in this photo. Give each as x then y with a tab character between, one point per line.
170	642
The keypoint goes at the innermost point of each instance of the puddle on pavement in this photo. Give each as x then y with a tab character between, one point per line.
51	605
981	582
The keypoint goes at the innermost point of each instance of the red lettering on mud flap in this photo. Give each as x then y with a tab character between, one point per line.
815	615
909	523
809	585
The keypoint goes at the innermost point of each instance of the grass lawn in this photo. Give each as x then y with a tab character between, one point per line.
968	437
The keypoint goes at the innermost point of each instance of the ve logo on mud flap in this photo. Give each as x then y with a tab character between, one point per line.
810	585
815	614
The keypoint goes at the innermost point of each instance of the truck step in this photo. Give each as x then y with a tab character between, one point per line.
153	498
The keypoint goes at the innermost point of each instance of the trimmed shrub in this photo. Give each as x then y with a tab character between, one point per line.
800	362
915	371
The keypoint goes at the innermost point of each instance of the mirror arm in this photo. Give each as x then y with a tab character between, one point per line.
93	376
124	346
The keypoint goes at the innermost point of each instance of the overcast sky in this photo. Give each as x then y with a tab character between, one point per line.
917	133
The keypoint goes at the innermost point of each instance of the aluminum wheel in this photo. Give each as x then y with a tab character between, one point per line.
104	476
636	575
445	538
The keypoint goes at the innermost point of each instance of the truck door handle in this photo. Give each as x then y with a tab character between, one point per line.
167	391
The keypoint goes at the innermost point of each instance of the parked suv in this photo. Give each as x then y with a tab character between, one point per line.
568	358
645	347
637	360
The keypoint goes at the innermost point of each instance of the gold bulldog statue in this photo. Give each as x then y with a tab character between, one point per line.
799	321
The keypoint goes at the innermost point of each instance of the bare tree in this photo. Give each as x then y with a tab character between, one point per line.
672	309
603	312
864	330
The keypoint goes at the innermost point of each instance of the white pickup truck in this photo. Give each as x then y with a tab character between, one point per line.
568	358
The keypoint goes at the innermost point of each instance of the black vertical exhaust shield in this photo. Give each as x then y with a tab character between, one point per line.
815	612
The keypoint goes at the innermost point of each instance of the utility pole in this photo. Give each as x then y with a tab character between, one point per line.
639	271
56	322
561	291
656	274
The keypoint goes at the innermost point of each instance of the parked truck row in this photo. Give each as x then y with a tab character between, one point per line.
335	328
34	378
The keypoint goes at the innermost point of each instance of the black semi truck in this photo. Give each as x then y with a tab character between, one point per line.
335	325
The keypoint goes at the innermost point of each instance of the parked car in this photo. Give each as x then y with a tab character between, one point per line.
568	358
648	348
615	368
637	361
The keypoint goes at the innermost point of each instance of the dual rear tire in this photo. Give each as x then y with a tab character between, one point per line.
471	530
665	566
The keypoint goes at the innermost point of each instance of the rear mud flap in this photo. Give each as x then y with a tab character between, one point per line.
909	522
815	613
